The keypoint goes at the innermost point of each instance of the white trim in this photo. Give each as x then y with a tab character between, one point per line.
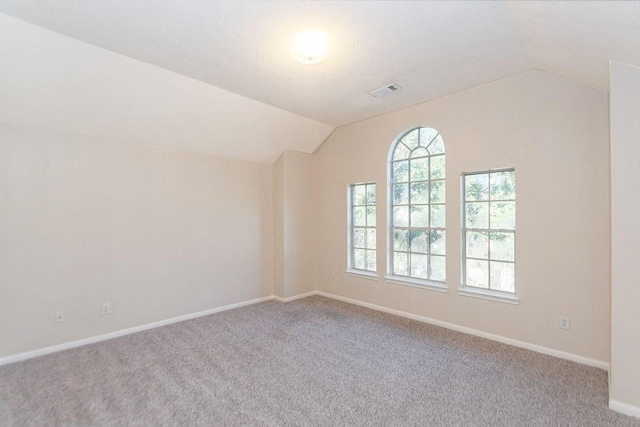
351	226
624	408
614	405
390	277
488	294
295	297
91	340
416	283
510	341
370	275
488	230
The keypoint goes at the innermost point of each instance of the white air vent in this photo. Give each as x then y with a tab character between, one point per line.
384	91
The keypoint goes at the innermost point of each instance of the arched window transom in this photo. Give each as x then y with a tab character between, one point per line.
417	206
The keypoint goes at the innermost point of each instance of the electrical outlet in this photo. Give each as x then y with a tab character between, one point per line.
334	277
58	317
105	308
565	323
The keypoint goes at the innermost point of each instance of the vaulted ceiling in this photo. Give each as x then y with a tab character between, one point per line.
430	48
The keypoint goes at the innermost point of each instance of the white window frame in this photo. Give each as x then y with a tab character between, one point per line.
351	270
408	280
473	291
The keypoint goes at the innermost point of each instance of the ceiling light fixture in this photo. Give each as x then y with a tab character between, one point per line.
310	47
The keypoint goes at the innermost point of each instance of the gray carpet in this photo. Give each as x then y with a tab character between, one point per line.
309	362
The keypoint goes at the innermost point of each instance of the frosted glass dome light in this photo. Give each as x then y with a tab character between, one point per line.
310	47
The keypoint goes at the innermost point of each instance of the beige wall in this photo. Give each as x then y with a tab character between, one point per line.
160	232
278	227
57	82
294	225
625	236
300	228
555	133
157	232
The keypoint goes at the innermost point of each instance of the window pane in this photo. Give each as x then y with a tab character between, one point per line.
438	268
371	216
477	245
420	192
502	276
478	273
437	167
411	139
400	240
427	135
400	194
371	260
437	216
359	216
358	237
436	195
419	266
359	195
371	194
419	169
362	238
419	241
436	146
477	215
418	205
401	216
371	238
401	152
401	171
400	264
503	246
476	187
437	240
503	185
420	216
419	152
486	208
503	215
359	259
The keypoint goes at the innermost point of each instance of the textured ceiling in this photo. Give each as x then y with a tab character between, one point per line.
576	39
430	48
51	81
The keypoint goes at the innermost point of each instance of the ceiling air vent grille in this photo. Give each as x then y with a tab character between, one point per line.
384	91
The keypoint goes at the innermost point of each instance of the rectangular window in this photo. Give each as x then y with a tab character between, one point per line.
488	231
362	227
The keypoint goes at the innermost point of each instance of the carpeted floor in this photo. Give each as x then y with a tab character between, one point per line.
309	362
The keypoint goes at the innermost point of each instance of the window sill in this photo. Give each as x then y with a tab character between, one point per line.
417	283
489	295
370	275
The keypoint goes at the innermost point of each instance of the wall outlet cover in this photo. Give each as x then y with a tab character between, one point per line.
105	308
58	317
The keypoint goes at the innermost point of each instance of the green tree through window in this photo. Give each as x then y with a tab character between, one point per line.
362	224
417	210
489	230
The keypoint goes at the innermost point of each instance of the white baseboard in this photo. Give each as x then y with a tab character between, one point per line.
516	343
295	297
624	408
59	347
540	349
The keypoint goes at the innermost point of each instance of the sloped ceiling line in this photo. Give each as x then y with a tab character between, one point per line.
240	76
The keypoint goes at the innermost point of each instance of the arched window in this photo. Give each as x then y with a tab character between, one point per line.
417	208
